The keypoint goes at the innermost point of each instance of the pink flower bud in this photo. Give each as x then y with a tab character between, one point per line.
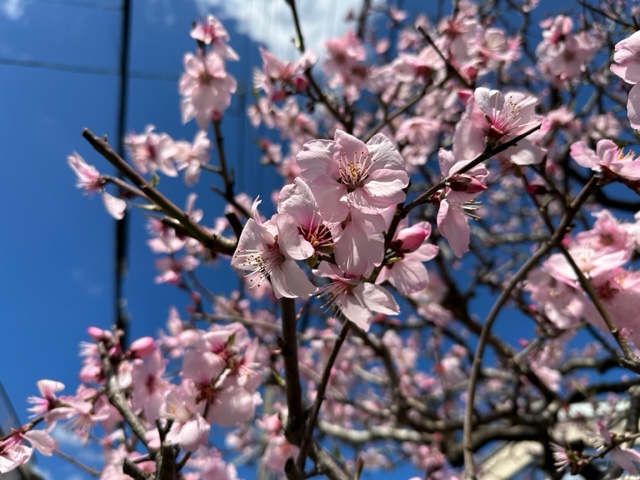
97	333
216	116
411	238
143	347
278	95
301	83
534	189
466	184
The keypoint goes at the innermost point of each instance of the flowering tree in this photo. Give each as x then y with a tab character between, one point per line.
466	160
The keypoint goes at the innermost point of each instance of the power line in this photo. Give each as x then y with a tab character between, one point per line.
121	226
107	71
81	4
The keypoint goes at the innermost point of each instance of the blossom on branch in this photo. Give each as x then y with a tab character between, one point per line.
90	180
205	87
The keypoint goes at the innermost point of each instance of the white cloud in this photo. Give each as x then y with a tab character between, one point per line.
269	21
71	444
46	474
12	9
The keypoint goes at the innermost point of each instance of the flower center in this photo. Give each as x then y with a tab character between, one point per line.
353	171
261	263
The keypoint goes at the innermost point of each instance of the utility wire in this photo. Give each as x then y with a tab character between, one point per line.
121	226
80	4
107	71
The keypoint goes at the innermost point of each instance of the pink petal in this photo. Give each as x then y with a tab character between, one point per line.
115	206
289	240
42	441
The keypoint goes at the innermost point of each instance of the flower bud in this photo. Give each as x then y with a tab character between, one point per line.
466	184
301	83
278	95
143	347
534	189
97	333
410	239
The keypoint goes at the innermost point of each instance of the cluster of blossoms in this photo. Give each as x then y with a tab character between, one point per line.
353	226
338	208
563	54
153	152
206	86
218	385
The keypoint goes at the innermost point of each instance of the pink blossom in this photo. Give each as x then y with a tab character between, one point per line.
354	298
627	67
148	386
90	180
345	65
48	401
206	88
592	263
13	453
347	175
210	465
419	131
40	440
190	157
81	413
297	200
608	159
152	152
507	117
268	250
188	430
279	79
278	450
562	53
211	32
455	208
171	268
625	458
405	269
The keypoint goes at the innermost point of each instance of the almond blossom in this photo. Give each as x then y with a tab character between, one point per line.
13	453
190	157
626	458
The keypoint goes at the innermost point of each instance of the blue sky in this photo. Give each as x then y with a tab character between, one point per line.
57	245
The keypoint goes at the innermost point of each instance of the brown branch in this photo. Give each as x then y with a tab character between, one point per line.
117	399
556	238
294	427
211	241
322	387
